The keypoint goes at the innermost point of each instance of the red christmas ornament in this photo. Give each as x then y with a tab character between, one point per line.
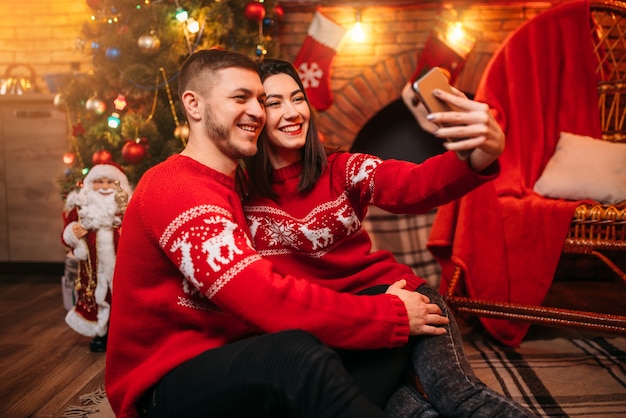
133	152
101	157
279	11
254	11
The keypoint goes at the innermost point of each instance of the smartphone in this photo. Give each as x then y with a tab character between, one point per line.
423	88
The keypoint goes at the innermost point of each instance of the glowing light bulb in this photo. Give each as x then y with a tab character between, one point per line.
455	32
458	39
120	102
181	15
114	120
357	33
68	158
193	26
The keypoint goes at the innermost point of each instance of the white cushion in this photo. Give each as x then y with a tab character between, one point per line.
585	168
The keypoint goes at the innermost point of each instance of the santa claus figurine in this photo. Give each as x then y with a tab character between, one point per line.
93	219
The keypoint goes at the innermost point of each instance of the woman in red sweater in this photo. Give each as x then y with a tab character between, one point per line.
305	212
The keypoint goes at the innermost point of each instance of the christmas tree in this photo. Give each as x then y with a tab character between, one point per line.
126	109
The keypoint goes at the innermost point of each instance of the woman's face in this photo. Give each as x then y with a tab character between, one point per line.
287	123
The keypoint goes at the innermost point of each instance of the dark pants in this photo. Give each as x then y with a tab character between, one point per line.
284	374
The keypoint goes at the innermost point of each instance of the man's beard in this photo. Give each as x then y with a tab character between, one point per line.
98	211
221	134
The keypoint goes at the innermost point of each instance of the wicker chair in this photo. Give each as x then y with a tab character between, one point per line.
595	228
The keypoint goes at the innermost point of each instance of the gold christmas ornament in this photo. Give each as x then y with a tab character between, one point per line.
149	44
182	132
95	105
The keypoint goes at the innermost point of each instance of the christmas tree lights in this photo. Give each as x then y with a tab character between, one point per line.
126	109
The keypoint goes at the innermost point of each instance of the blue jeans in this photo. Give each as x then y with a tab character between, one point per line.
451	388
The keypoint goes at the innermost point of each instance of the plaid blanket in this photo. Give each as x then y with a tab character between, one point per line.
405	236
558	377
554	378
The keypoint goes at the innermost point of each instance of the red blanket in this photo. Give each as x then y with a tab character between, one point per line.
505	237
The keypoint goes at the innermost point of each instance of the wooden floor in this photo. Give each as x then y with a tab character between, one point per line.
45	366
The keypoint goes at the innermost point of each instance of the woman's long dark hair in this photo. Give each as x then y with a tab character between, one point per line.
314	160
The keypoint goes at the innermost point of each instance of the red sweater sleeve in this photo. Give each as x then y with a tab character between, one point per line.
405	187
276	303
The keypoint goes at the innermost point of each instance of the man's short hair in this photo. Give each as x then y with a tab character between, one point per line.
198	68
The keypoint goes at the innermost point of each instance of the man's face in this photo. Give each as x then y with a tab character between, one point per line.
234	114
104	185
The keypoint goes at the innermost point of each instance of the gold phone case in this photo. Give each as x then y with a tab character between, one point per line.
424	86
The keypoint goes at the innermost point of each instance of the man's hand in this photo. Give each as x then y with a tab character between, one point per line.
425	318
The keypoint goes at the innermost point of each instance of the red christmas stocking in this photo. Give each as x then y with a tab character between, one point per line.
315	58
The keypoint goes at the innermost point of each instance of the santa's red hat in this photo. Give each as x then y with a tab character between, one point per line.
109	170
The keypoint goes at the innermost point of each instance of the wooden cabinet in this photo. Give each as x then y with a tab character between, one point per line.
32	143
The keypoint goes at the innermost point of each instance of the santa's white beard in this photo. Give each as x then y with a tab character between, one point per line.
98	211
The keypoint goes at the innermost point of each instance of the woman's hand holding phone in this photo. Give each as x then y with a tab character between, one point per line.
468	126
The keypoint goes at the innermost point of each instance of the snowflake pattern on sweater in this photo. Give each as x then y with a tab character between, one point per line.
276	232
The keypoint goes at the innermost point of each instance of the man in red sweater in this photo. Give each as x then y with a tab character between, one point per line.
201	325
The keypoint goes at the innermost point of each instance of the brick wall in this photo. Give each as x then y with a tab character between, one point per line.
368	76
365	77
40	35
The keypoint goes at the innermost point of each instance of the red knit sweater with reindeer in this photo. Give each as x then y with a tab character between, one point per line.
319	234
188	279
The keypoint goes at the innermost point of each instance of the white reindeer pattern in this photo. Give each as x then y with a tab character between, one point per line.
350	222
253	223
364	170
214	245
319	238
186	262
